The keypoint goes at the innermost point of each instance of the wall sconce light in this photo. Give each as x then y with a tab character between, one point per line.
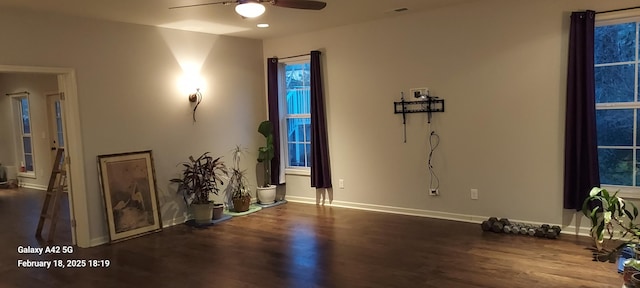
195	98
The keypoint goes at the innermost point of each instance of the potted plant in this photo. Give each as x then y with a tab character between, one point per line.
238	189
611	221
201	177
266	192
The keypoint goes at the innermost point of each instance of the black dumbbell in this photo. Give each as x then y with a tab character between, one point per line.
487	224
498	226
524	229
540	231
553	232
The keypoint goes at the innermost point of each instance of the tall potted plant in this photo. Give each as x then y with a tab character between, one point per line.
611	221
201	177
238	192
266	192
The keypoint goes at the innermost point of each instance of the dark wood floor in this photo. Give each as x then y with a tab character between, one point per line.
298	245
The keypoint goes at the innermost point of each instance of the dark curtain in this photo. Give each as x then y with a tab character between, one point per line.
581	153
274	116
320	168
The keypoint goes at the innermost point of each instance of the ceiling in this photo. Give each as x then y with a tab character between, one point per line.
222	19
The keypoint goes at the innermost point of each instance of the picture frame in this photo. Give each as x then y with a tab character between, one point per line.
129	188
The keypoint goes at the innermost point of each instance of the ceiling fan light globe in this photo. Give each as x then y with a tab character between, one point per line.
250	9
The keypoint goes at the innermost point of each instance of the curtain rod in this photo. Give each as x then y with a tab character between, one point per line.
295	56
617	10
17	93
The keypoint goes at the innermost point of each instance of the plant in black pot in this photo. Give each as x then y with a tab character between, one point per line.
611	222
266	192
201	177
238	192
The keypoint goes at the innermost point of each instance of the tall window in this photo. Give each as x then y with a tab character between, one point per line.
26	151
617	102
296	98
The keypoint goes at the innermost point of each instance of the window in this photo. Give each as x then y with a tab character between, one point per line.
296	97
617	102
25	152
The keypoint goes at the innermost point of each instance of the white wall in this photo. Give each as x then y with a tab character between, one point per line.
37	85
501	68
130	99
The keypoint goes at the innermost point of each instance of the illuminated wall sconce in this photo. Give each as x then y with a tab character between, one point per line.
195	98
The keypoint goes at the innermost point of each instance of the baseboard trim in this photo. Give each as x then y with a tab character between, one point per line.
99	241
394	210
569	230
33	186
165	224
174	221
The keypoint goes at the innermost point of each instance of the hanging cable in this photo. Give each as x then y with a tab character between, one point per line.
434	141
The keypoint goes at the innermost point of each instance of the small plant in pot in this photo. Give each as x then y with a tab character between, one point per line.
611	222
266	192
238	189
201	177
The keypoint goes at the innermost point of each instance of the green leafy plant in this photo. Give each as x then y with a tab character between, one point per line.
266	153
201	177
611	221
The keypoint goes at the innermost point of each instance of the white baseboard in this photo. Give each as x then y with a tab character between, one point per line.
99	241
33	186
571	230
174	221
167	223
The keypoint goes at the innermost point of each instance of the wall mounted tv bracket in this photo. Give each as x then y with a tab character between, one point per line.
426	104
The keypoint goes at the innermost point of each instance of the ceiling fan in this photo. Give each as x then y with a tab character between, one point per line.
254	8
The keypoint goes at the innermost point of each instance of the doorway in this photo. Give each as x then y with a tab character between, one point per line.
72	141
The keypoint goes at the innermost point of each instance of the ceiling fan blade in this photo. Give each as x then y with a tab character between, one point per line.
300	4
205	4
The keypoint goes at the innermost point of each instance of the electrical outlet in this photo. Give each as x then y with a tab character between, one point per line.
434	192
341	183
419	92
474	194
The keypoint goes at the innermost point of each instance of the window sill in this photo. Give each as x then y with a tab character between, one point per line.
625	192
31	175
298	172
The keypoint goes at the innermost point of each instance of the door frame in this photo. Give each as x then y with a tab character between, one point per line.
73	143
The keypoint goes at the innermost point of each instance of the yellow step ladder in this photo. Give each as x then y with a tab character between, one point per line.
56	187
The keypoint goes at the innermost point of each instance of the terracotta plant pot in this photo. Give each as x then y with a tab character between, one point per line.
635	280
241	204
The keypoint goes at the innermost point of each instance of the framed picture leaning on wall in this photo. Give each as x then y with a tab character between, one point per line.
129	189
